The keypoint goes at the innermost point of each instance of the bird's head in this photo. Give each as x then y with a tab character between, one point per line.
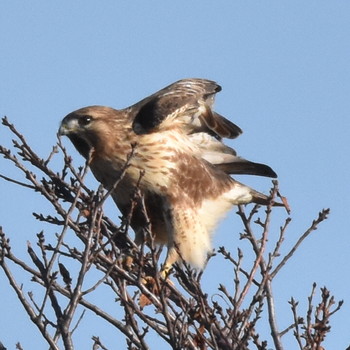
88	127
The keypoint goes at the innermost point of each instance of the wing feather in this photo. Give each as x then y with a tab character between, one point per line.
187	103
188	106
225	158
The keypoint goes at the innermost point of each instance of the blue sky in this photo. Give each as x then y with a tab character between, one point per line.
285	71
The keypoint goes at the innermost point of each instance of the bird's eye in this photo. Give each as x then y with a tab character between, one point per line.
85	120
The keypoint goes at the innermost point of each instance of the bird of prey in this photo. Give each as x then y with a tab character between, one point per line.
179	162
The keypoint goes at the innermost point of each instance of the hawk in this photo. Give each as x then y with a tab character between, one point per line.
179	163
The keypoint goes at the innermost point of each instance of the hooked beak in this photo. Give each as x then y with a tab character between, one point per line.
68	126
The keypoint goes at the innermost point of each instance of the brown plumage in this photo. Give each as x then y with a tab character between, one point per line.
177	140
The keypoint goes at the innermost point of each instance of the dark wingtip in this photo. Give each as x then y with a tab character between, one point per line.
225	127
244	167
267	171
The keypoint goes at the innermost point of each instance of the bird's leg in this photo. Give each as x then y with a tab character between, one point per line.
171	259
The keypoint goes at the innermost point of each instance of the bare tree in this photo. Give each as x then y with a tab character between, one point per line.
175	307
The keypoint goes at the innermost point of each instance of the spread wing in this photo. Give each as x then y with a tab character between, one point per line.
187	103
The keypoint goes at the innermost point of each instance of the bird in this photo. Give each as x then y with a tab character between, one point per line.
170	147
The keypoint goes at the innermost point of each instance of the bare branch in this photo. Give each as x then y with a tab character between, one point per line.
175	307
321	217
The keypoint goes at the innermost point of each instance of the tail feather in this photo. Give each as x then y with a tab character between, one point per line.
262	199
